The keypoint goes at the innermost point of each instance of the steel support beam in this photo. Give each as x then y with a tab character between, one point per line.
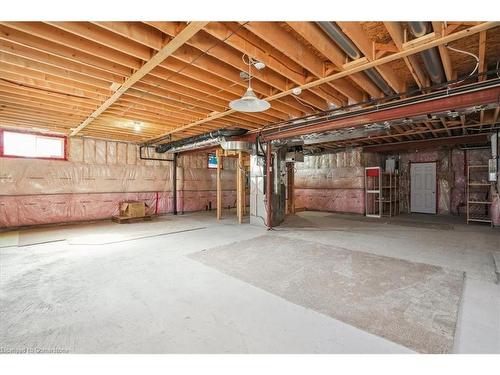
429	143
458	101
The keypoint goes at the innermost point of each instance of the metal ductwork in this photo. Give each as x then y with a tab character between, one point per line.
337	35
207	139
346	134
431	58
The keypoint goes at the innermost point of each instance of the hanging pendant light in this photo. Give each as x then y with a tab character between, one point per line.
249	101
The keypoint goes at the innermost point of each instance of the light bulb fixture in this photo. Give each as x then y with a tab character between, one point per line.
137	126
297	91
249	101
259	65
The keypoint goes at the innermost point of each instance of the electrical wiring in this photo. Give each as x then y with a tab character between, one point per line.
465	53
305	104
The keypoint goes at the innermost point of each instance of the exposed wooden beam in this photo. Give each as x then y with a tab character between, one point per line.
310	32
241	39
275	35
496	114
428	143
355	32
88	44
445	125
482	54
397	34
227	63
439	29
437	41
462	122
190	30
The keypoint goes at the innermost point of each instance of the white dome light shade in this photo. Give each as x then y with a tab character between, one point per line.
249	103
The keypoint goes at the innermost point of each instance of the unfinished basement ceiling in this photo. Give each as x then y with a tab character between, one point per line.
56	76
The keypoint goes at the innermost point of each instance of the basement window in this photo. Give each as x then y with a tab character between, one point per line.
32	145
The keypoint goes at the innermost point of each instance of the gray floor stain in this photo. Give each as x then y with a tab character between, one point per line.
413	304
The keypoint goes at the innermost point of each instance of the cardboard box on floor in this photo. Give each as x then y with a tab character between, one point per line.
133	209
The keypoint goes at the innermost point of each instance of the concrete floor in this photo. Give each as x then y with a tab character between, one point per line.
146	295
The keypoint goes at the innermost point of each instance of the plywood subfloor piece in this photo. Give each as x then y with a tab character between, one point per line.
413	304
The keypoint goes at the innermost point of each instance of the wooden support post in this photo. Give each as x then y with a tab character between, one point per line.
244	193
174	185
240	188
218	154
269	186
290	202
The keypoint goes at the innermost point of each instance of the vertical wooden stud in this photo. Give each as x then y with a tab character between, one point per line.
218	154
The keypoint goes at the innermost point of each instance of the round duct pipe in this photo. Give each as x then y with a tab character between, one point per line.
431	58
338	36
334	32
419	29
199	138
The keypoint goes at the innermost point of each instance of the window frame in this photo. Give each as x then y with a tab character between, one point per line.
46	135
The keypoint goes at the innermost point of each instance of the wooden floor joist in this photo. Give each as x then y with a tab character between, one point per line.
140	81
183	36
411	49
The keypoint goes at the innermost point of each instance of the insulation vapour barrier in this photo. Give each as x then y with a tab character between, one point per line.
332	200
25	210
331	182
97	177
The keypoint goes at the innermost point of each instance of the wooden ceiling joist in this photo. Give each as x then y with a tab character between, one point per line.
397	34
325	46
440	30
408	51
190	30
54	74
356	33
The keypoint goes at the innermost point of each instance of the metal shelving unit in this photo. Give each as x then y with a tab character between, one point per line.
373	192
478	194
390	194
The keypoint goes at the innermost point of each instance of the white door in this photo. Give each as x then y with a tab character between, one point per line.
423	188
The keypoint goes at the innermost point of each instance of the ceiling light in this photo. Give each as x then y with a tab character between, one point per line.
297	91
249	101
114	86
259	65
137	126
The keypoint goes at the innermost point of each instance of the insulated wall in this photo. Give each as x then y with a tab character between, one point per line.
451	173
198	188
97	176
335	182
331	182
